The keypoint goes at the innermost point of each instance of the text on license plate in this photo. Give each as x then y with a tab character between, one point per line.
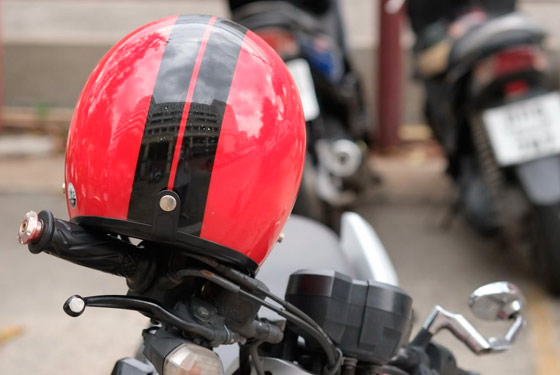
524	130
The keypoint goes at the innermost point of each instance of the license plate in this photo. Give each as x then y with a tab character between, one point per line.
304	81
525	130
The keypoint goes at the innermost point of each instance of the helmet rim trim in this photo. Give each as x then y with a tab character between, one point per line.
183	241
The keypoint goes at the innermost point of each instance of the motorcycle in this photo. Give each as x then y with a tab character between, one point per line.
491	105
330	321
338	135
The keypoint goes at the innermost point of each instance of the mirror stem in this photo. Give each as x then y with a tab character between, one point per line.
462	329
515	328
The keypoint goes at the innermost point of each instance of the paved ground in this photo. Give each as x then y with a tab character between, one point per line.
434	265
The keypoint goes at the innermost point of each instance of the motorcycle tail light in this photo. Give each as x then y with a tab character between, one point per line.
515	88
190	359
282	41
509	61
519	59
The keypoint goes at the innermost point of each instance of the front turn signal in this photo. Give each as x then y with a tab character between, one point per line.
191	359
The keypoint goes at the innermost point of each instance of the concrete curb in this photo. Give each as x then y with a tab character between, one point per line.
32	174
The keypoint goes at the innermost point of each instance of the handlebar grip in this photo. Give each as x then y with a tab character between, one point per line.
78	245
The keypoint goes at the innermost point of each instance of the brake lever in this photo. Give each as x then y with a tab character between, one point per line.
76	305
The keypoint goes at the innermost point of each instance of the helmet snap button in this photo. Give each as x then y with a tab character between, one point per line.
167	203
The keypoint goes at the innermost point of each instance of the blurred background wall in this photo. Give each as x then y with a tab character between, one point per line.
51	46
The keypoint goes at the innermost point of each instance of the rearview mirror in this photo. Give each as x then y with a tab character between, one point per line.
500	300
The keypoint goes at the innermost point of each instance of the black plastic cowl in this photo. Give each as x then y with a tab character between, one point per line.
368	320
132	366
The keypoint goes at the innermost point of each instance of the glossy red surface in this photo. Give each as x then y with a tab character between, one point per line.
260	155
201	106
108	123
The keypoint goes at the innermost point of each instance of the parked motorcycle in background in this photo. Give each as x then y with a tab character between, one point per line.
491	104
331	320
310	38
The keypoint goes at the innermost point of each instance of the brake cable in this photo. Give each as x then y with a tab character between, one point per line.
288	311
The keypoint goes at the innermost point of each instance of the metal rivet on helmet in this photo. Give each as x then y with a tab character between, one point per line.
167	203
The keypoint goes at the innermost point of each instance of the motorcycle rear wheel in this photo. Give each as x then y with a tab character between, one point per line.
308	202
546	239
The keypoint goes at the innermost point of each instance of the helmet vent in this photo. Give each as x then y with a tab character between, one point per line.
71	196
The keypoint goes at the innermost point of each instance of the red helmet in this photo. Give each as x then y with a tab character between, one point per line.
189	132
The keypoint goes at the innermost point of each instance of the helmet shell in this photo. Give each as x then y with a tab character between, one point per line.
190	132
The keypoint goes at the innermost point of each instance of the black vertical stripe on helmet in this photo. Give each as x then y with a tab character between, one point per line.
164	115
204	123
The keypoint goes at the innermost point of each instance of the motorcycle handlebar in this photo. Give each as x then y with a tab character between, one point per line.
76	244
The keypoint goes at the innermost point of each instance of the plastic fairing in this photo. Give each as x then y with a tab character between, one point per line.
364	250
